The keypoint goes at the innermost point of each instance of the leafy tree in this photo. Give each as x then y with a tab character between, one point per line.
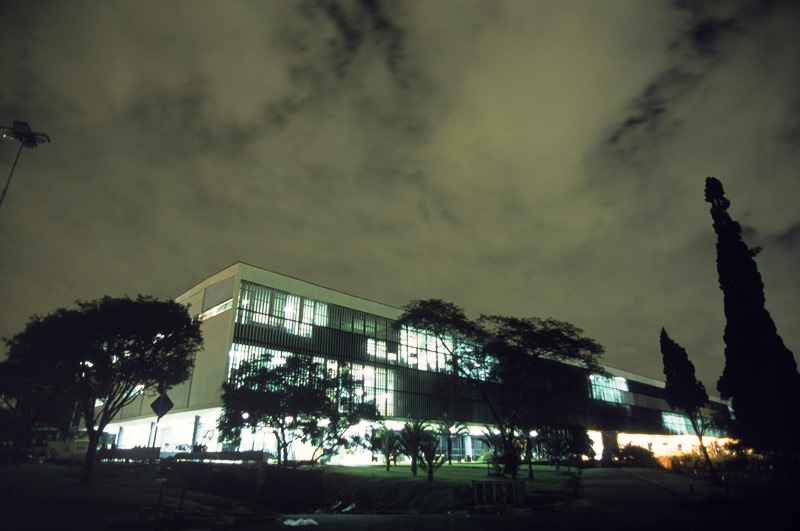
543	366
298	400
285	396
565	442
554	443
459	336
387	442
106	352
760	375
464	341
502	358
686	393
31	400
344	409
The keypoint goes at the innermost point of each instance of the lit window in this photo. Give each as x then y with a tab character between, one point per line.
308	318
291	311
258	355
376	348
609	388
676	424
321	314
216	310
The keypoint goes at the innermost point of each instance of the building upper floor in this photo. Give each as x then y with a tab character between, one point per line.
249	312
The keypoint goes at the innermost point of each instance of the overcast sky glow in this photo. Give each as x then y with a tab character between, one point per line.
526	158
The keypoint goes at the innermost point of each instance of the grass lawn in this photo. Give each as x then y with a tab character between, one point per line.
123	491
373	489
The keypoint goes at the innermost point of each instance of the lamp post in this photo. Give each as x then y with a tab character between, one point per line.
22	133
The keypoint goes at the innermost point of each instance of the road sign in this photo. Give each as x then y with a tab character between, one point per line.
162	405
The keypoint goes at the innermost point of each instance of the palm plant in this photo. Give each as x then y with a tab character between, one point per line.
430	460
411	440
387	442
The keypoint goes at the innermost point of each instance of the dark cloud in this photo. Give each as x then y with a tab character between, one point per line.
651	109
791	236
705	35
402	150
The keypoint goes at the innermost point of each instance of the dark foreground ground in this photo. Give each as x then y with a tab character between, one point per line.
48	496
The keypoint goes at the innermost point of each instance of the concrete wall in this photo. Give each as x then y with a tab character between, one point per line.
202	389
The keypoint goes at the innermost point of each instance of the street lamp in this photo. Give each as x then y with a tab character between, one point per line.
22	133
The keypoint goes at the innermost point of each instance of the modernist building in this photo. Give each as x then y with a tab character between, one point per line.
248	312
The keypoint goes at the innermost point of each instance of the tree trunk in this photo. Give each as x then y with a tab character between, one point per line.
414	465
283	448
529	455
91	453
278	451
699	430
511	461
18	440
711	470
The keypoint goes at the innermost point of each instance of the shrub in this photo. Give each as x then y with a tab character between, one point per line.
632	455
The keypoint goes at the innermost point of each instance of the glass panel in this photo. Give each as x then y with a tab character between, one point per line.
608	388
677	424
321	314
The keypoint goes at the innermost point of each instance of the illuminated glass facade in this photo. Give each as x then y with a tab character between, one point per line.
249	313
392	364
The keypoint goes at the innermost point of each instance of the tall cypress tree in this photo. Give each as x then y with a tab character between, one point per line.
685	392
760	376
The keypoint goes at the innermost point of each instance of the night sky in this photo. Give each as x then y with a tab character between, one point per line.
525	158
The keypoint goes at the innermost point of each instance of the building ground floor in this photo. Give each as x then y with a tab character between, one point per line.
197	430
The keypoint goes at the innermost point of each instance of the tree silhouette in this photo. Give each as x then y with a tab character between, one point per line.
330	431
565	442
106	353
543	366
32	400
286	397
685	392
296	398
516	365
760	376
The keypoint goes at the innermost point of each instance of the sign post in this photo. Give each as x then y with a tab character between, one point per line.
160	406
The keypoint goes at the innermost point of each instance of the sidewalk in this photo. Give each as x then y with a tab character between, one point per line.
694	489
704	493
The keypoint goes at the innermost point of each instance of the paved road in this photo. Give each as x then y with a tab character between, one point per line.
613	499
608	499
